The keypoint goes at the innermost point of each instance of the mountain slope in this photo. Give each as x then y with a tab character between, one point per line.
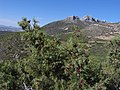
91	27
63	26
9	28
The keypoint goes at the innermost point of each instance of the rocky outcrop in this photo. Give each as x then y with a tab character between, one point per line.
91	19
86	20
72	19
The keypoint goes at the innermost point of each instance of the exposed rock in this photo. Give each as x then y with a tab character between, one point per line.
72	19
91	19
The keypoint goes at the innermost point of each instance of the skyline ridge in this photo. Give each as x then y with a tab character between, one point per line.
13	23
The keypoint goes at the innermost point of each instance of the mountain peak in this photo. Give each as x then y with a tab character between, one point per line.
87	18
91	19
72	19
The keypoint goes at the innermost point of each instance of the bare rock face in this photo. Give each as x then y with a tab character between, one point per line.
91	19
88	19
72	19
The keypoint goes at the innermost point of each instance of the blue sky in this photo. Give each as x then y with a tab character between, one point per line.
47	11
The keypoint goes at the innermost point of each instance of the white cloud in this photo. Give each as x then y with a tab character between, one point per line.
8	22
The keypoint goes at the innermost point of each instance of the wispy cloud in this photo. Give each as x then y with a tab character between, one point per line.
8	22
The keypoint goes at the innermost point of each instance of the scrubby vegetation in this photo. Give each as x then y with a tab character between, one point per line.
11	46
53	64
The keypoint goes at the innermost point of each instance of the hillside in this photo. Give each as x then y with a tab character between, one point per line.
9	28
88	28
63	26
93	28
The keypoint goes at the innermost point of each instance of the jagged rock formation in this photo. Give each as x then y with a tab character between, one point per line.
91	19
72	19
